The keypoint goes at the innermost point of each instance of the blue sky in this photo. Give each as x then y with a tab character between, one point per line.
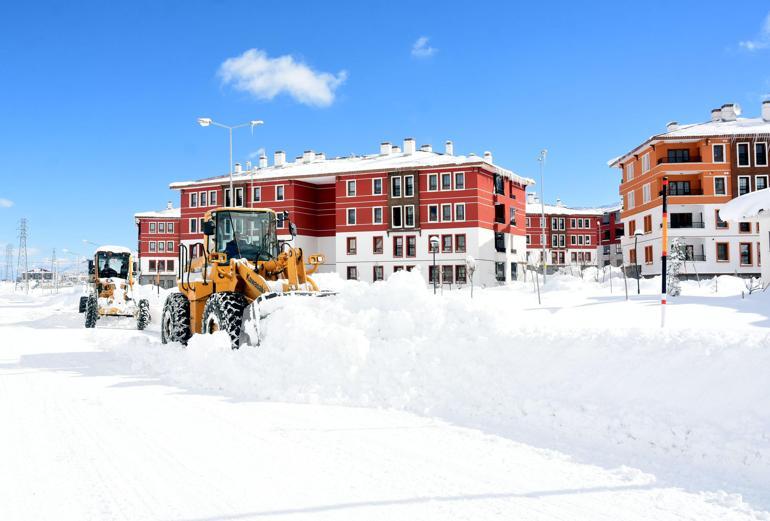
98	100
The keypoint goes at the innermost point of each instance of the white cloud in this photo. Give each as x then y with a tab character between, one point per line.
421	48
5	203
762	41
257	153
264	77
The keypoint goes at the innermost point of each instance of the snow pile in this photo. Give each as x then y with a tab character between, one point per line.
689	402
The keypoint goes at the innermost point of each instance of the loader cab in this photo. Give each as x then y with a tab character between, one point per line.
243	234
112	264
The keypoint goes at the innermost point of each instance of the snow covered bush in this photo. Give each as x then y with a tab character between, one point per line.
676	258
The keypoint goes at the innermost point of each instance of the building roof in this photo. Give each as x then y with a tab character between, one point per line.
327	168
112	249
560	209
168	213
747	206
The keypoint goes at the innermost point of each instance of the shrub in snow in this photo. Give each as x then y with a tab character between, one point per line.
676	258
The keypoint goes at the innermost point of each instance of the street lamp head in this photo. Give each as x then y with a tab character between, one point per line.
638	233
256	122
204	122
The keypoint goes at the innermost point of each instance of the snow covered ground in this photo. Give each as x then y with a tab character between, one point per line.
386	402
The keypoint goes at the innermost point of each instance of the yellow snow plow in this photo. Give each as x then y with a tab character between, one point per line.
239	274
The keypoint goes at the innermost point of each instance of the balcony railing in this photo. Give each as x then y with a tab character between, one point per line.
679	191
670	160
693	224
696	258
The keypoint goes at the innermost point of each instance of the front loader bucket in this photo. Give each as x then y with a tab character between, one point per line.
263	306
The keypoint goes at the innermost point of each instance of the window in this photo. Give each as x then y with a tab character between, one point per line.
377	215
459	211
153	266
631	227
529	240
586	223
279	193
720	187
239	197
432	274
377	245
446	212
648	224
152	246
408	186
460	243
718	152
378	273
499	184
573	240
377	187
645	163
398	246
562	240
351	188
745	251
395	187
397	268
723	252
459	180
678	155
629	172
760	154
720	224
630	199
411	246
512	216
212	198
744	227
161	265
351	216
193	200
161	227
461	276
432	182
352	273
760	182
161	246
256	194
447	273
562	223
395	217
430	247
446	244
409	216
446	181
632	256
500	242
169	246
743	155
152	227
528	222
744	184
500	271
170	265
228	202
193	225
351	245
170	227
500	213
572	223
648	254
555	241
587	256
587	239
646	192
679	188
432	213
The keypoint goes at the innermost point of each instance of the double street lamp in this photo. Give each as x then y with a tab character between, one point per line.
637	233
205	122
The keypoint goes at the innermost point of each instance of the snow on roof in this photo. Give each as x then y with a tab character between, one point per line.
112	249
168	213
747	206
321	167
551	209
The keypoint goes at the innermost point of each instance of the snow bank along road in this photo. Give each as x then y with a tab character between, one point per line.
110	424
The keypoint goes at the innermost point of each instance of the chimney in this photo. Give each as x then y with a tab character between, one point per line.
672	126
238	168
449	148
320	156
488	156
531	197
730	112
279	158
395	149
262	161
716	114
426	148
308	156
559	203
766	110
385	148
169	206
409	146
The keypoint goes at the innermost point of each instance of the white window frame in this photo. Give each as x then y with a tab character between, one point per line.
646	193
437	181
646	163
748	184
756	163
738	155
724	180
713	154
152	228
201	197
441	181
580	240
239	190
374	215
170	227
587	240
226	195
403	187
392	220
562	224
283	193
169	246
212	197
347	217
458	205
256	194
153	247
190	196
572	222
762	177
528	222
562	240
193	220
161	246
400	187
631	200
454	180
348	184
572	240
441	215
374	192
438	213
630	171
164	228
414	216
554	240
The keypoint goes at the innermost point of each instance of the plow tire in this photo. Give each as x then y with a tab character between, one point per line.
92	311
82	304
175	323
143	315
224	312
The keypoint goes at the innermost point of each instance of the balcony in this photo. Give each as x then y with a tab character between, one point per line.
695	258
674	191
692	224
670	160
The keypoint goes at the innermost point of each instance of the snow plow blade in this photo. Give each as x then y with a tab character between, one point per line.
263	306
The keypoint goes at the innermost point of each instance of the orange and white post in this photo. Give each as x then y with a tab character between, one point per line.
664	256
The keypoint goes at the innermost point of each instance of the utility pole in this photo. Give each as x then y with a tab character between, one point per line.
8	262
53	271
22	265
664	256
541	158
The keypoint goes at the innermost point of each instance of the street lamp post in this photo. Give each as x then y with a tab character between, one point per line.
541	159
205	122
434	247
637	233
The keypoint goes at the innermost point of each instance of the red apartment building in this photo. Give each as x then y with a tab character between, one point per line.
374	214
158	246
610	232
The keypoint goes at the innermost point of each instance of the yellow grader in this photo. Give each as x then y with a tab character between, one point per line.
240	273
111	292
